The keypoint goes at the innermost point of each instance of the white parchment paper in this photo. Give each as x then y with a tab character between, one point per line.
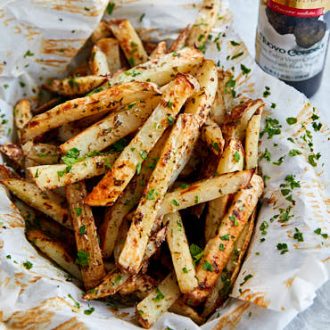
38	39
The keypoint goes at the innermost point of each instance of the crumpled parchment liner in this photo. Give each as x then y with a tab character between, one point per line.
284	284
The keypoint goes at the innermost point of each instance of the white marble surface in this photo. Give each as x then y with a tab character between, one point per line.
317	317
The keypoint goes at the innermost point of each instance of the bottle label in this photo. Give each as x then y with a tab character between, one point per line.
292	38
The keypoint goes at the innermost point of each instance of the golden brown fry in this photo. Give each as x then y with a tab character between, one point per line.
206	19
252	142
110	47
98	62
129	41
211	134
101	31
34	197
162	70
74	86
54	250
176	146
218	249
41	153
180	41
180	253
89	255
204	191
232	160
158	301
112	128
101	102
14	154
115	181
139	285
159	51
180	308
22	114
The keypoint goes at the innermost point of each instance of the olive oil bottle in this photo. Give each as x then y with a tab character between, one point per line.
292	40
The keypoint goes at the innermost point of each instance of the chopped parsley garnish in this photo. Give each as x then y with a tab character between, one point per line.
291	120
82	230
279	161
237	55
196	199
313	158
298	235
89	311
273	105
294	152
221	247
110	8
266	155
71	157
266	92
185	270
272	128
263	228
151	194
82	258
159	295
170	120
78	211
143	154
169	104
215	146
196	252
234	43
316	125
237	156
207	266
225	237
120	145
175	202
28	53
246	278
233	219
76	303
245	70
142	17
283	247
318	231
184	185
27	264
138	168
230	87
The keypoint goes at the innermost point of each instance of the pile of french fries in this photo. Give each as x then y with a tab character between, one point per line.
137	147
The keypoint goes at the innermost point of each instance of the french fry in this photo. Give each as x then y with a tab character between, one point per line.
98	63
206	19
102	102
139	285
41	153
220	292
33	196
159	51
22	114
47	105
215	259
59	175
180	308
211	134
177	145
115	280
241	114
124	168
54	250
101	31
158	301
116	213
74	86
112	128
118	237
110	47
180	253
89	255
180	41
129	41
252	142
162	70
232	160
204	191
14	154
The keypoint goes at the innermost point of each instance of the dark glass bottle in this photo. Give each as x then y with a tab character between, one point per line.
292	40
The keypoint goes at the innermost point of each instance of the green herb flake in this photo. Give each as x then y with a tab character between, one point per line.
279	161
207	266
266	155
82	258
28	265
291	120
215	146
76	303
294	152
142	17
237	55
159	295
272	128
82	230
237	156
246	278
298	235
245	70
170	120
266	92
150	194
110	8
169	104
143	154
184	185
273	105
89	311
225	237
196	252
221	247
78	211
185	270
28	53
283	247
175	202
138	168
318	231
263	227
234	43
